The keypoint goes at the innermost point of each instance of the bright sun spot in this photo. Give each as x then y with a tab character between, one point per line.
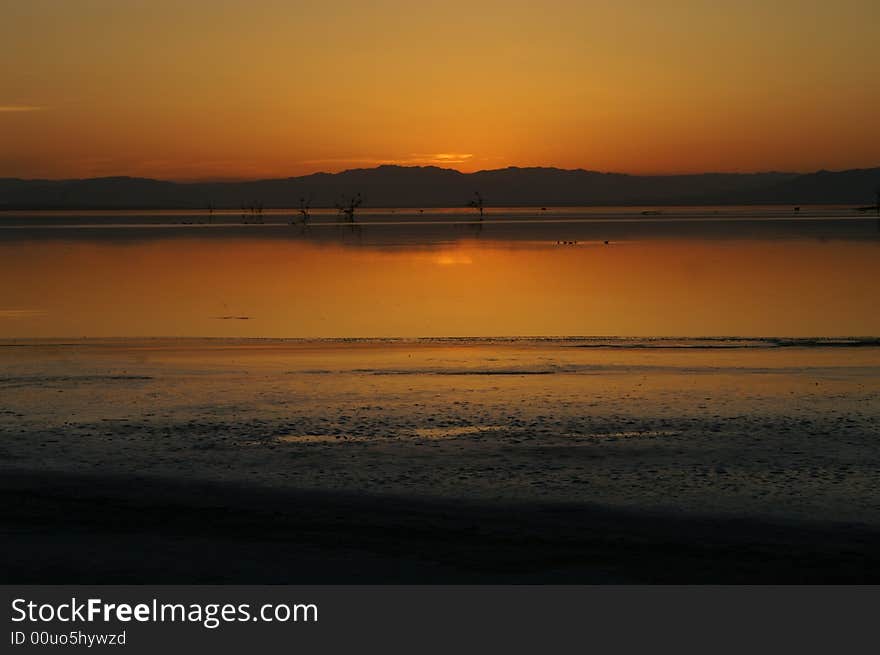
452	259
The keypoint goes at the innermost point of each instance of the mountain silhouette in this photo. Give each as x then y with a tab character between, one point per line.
430	186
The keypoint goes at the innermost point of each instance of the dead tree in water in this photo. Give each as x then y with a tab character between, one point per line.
305	210
347	206
477	203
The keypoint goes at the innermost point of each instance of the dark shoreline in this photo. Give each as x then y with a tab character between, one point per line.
66	529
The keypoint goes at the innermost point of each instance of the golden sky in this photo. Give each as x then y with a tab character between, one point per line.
269	88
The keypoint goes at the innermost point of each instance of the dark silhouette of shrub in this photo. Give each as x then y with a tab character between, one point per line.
347	206
478	203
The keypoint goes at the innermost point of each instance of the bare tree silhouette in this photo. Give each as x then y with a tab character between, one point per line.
305	210
348	204
477	203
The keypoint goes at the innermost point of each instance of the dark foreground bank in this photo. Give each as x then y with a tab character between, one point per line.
67	529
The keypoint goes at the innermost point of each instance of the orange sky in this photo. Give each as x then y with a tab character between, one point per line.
230	88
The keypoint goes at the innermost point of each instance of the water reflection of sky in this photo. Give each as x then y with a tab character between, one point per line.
743	276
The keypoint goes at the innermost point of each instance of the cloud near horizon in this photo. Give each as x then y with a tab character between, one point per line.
16	109
21	313
415	159
445	157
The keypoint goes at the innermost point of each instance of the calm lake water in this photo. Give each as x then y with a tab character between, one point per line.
700	271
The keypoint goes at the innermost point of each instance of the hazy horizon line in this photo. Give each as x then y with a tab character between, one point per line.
234	179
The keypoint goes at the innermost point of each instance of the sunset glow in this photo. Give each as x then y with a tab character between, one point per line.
229	89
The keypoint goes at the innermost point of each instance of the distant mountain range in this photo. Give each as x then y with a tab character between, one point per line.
429	186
